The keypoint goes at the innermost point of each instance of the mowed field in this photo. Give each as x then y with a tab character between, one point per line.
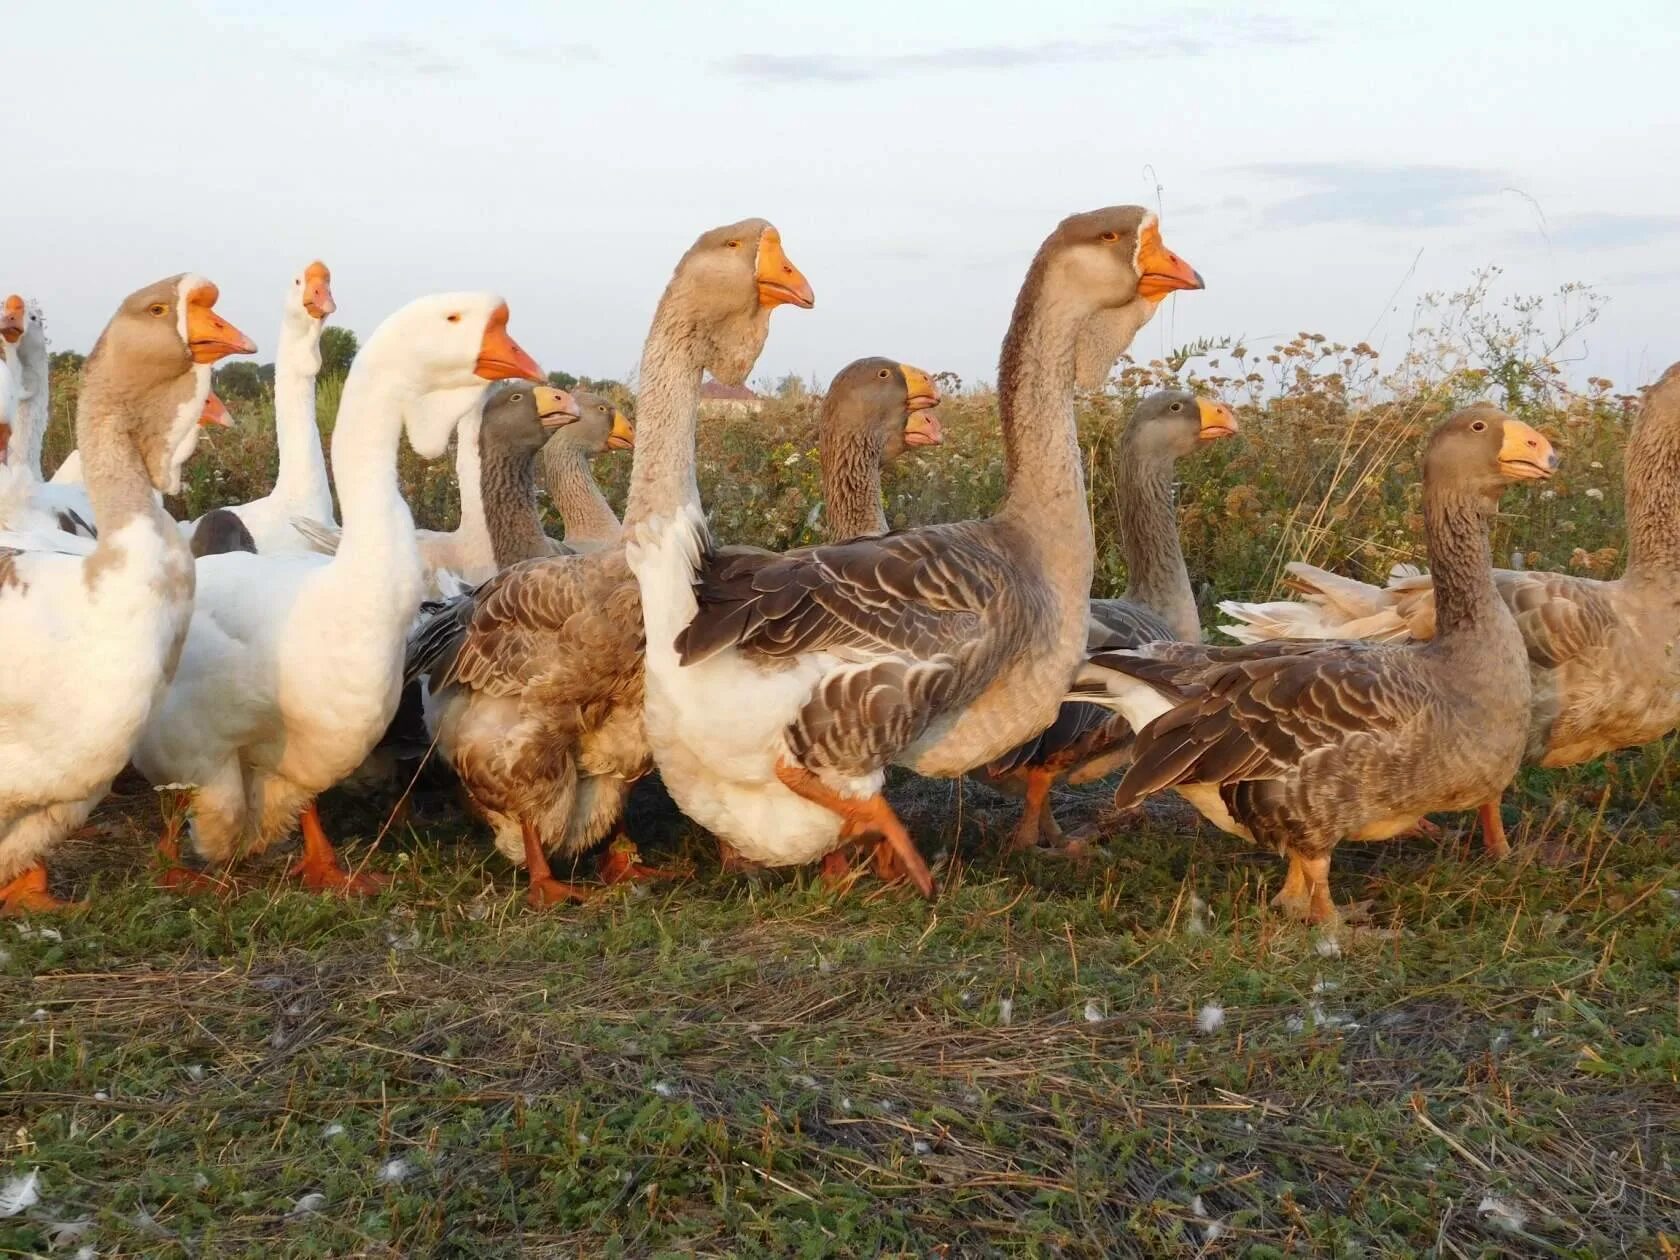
1129	1054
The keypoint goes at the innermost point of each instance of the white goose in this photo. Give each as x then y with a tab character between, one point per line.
293	665
92	640
300	488
27	504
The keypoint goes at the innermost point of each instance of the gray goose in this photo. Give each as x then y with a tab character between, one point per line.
1298	744
1086	741
537	677
875	410
780	687
1601	653
590	521
523	422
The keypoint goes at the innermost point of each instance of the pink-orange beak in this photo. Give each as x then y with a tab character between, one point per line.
779	281
12	318
1160	271
317	290
499	355
214	415
209	336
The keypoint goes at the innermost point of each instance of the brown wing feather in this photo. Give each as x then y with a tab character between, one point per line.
919	594
1560	617
1260	717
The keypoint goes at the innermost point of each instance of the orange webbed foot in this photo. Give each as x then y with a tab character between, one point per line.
320	869
622	863
546	891
27	894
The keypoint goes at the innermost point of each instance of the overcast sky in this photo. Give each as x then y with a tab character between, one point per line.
1321	169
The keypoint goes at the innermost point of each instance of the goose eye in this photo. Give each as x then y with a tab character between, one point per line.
1479	425
883	374
732	244
158	308
455	318
515	397
1110	237
1178	406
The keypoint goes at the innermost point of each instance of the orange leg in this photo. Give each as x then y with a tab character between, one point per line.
836	869
173	875
1493	831
28	893
622	862
729	857
1027	831
1320	907
871	816
545	889
1294	898
320	868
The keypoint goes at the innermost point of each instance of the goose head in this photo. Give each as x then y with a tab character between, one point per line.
1481	449
881	407
1172	423
23	343
601	426
308	303
519	417
725	288
442	352
156	354
14	319
1112	265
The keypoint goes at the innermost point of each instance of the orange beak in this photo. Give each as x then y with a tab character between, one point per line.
778	279
317	290
1160	271
215	415
12	319
555	407
1525	454
5	438
499	355
1217	419
623	435
209	336
919	387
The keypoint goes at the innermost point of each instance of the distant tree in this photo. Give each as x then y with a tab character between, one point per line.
243	382
61	361
791	388
562	380
338	348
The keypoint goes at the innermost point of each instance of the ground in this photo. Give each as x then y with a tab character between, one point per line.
1130	1055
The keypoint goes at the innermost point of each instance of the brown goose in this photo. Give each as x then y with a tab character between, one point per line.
780	687
1087	742
1601	653
1298	744
537	675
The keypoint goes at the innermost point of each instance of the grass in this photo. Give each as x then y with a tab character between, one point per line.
1031	1066
727	1067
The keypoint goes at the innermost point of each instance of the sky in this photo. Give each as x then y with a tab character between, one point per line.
1322	165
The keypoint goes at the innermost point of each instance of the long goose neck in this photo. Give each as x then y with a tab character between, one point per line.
1455	530
378	528
469	476
1044	497
510	507
29	421
118	488
1155	573
588	517
851	477
662	480
303	466
1652	475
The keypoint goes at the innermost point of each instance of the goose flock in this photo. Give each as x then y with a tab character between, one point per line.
249	660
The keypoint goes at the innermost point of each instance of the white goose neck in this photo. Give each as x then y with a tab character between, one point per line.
302	481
